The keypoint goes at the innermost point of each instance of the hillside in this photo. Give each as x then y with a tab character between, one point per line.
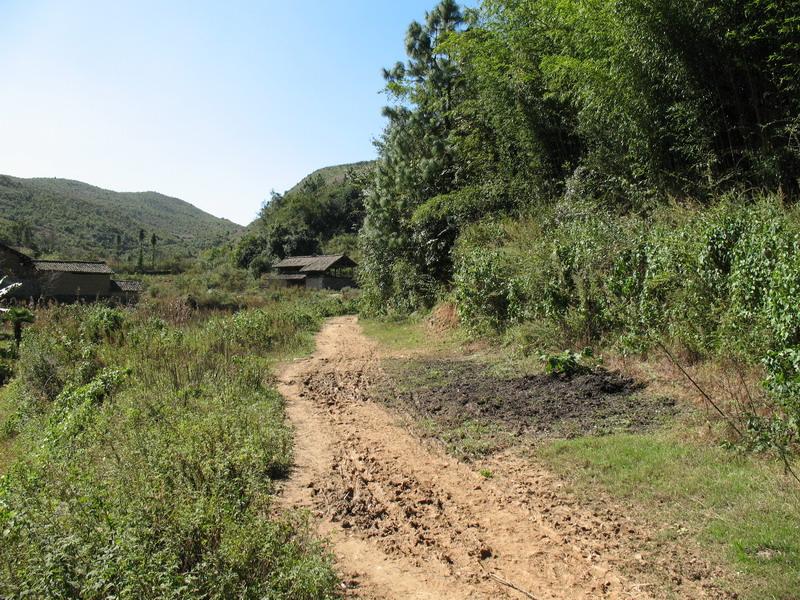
330	176
326	178
322	213
78	220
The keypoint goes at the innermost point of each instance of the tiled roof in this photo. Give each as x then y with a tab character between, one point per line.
126	286
312	264
68	266
323	263
24	258
294	261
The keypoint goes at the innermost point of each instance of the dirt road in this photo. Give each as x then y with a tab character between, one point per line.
407	521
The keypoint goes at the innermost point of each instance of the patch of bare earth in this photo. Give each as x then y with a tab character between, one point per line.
405	520
590	401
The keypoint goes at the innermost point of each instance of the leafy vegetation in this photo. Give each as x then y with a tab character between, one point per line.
321	214
714	283
565	363
17	316
616	172
146	455
70	219
735	505
522	104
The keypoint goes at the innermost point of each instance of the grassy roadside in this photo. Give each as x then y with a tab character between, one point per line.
154	448
8	443
409	336
741	509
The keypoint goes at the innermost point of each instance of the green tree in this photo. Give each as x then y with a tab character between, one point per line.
140	264
525	103
153	242
417	161
17	317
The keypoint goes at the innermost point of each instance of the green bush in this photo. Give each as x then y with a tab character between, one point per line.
487	292
155	451
6	372
565	363
717	282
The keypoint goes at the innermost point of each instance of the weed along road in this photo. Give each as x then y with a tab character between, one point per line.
405	520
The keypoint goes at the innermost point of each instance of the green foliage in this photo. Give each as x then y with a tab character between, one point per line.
486	291
152	456
70	219
17	316
102	323
566	363
60	351
322	211
6	372
532	105
716	282
417	163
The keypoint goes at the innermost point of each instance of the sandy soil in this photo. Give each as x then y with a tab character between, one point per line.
405	520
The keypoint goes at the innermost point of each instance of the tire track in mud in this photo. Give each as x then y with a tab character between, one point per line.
406	521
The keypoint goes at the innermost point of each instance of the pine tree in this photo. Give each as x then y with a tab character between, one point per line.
153	242
417	160
140	266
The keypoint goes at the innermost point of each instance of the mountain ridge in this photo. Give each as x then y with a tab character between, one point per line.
327	176
68	217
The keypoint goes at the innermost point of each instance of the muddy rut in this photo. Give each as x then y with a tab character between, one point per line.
404	520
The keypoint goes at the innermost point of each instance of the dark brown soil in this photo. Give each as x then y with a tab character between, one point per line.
595	401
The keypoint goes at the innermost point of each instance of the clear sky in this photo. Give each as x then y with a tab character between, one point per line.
214	102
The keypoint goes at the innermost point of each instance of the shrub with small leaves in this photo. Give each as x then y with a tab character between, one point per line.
566	363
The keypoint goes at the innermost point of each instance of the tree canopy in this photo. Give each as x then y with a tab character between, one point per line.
323	213
525	102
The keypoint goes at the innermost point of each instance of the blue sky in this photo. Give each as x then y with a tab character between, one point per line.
216	103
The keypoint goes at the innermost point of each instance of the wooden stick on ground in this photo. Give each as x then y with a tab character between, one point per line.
507	583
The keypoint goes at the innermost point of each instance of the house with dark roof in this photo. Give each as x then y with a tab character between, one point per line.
319	272
63	280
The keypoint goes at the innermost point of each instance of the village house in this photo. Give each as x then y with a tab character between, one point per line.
319	272
63	280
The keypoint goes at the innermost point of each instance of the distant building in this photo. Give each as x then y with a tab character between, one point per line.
322	272
63	280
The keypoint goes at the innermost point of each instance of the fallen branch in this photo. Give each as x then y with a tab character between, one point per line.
780	448
700	389
507	583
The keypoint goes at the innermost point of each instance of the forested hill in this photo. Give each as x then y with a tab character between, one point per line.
330	176
321	213
320	182
78	220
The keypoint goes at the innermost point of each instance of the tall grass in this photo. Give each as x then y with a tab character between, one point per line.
718	282
151	452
